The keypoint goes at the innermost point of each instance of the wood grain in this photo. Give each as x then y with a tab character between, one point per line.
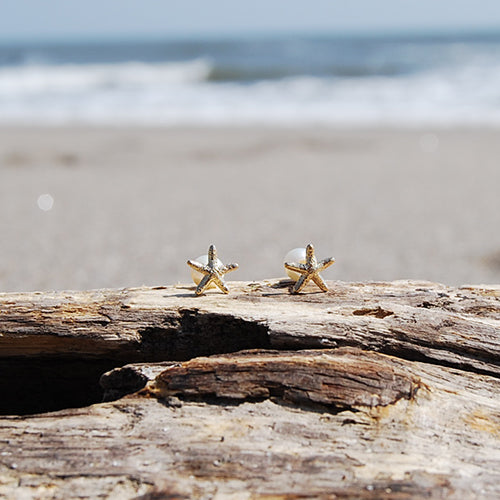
344	378
372	390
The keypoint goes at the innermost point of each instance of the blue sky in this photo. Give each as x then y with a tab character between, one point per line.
28	19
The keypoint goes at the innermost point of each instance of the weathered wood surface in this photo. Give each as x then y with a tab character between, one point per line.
396	395
417	320
341	379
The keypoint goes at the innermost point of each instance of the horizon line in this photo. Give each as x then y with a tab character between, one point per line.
71	38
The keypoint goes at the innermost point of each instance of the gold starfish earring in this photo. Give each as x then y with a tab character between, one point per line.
209	272
307	268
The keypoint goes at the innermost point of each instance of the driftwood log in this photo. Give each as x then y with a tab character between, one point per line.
372	390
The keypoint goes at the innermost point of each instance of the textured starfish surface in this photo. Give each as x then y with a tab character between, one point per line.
310	270
213	271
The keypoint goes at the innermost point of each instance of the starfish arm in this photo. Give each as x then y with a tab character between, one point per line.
197	266
204	284
301	283
325	263
310	258
212	255
319	281
229	267
220	283
298	268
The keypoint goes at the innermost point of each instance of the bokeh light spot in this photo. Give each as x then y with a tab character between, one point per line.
45	202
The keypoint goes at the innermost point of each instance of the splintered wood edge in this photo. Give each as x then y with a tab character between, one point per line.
342	378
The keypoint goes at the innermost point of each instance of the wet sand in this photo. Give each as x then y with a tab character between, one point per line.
130	206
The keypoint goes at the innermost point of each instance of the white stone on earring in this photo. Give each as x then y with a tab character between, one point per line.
295	255
196	276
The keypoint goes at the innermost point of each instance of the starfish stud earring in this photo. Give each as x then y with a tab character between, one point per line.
212	271
308	270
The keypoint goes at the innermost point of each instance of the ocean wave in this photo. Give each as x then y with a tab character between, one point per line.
189	93
36	77
40	79
241	73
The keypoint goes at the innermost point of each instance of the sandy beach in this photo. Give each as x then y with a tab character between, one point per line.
129	206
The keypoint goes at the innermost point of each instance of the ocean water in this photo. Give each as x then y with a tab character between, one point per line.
287	80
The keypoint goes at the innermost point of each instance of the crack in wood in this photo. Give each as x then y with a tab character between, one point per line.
200	334
377	312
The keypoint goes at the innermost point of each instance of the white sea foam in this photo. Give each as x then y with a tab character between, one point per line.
182	93
41	79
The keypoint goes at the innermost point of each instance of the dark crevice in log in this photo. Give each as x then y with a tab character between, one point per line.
36	385
31	386
129	379
201	335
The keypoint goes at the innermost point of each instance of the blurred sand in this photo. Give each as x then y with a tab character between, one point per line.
132	205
